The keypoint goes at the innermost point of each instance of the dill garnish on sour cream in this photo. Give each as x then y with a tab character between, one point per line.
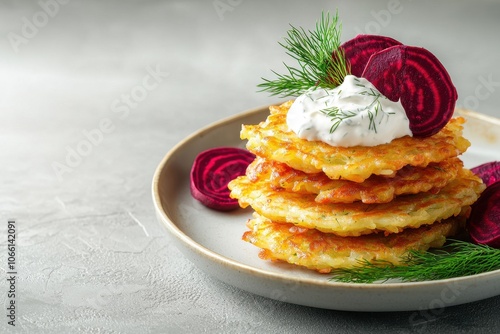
354	113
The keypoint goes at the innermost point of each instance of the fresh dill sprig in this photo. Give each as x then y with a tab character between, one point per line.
320	60
457	258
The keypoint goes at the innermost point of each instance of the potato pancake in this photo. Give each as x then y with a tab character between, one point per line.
354	219
323	251
375	189
273	140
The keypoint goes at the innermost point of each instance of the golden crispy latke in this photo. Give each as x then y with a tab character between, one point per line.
324	251
273	140
354	219
375	189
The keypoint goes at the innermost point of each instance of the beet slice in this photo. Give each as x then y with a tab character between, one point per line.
212	170
484	221
489	172
359	50
416	77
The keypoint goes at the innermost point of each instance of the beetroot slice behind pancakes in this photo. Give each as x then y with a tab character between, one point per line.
212	170
489	172
484	221
420	81
359	50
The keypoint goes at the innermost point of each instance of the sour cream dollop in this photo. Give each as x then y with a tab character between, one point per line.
354	113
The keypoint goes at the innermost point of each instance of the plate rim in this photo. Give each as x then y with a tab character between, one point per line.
208	254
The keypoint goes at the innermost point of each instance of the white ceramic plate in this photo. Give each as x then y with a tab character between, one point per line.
212	239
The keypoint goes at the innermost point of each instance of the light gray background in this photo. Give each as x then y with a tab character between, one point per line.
91	256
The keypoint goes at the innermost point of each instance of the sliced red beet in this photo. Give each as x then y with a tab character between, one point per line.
489	172
484	221
359	50
416	77
212	170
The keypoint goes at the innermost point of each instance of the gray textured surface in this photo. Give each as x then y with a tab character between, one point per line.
91	256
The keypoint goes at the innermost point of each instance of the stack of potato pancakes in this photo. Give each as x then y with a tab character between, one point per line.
325	207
